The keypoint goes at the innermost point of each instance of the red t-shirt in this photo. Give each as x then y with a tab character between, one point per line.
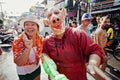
70	52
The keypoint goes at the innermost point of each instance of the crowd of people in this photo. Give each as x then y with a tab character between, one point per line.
73	49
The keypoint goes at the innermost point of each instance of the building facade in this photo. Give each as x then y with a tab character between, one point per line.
106	7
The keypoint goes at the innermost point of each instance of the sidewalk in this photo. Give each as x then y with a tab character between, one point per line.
8	68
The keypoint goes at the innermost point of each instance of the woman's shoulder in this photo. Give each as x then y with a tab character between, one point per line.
18	40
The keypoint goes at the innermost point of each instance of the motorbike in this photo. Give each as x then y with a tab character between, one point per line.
112	47
116	54
6	37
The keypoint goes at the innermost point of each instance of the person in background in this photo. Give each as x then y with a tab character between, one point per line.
111	34
98	21
86	21
27	49
117	29
69	47
70	24
100	37
74	24
112	38
19	29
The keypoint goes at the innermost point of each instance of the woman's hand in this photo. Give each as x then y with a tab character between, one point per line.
28	43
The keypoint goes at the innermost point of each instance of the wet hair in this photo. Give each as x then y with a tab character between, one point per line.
74	22
38	27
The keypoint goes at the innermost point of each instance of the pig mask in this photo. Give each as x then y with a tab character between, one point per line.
56	20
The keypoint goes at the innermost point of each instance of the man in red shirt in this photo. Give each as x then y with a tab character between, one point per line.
70	48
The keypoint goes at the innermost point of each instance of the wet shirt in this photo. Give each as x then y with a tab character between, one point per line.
70	52
18	48
88	30
101	37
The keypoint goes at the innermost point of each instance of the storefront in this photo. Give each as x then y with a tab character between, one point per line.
107	7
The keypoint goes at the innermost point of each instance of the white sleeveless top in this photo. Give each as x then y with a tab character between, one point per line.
22	70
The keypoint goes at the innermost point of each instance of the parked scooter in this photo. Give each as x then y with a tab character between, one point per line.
112	47
6	37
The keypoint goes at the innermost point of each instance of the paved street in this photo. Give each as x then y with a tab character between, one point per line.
8	69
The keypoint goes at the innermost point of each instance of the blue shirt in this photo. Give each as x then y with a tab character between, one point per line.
89	32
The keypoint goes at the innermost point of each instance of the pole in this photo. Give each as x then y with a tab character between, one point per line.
78	12
2	16
1	10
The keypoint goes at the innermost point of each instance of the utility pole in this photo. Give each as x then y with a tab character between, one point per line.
69	9
1	10
79	11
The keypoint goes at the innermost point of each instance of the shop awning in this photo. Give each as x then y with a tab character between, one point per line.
106	10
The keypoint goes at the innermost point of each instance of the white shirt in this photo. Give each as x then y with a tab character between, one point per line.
22	70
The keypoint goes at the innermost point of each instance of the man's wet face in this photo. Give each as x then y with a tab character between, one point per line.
107	22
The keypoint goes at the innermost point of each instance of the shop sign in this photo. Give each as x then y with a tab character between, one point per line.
104	4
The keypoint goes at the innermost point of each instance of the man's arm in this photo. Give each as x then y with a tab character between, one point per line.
94	59
93	64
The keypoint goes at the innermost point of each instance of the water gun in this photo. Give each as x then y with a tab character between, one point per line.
51	69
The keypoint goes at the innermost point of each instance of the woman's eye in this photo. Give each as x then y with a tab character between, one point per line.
33	24
26	24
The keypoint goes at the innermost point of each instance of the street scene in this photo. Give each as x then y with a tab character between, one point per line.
62	30
8	68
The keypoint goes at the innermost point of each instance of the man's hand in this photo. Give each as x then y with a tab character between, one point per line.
95	70
90	68
28	43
